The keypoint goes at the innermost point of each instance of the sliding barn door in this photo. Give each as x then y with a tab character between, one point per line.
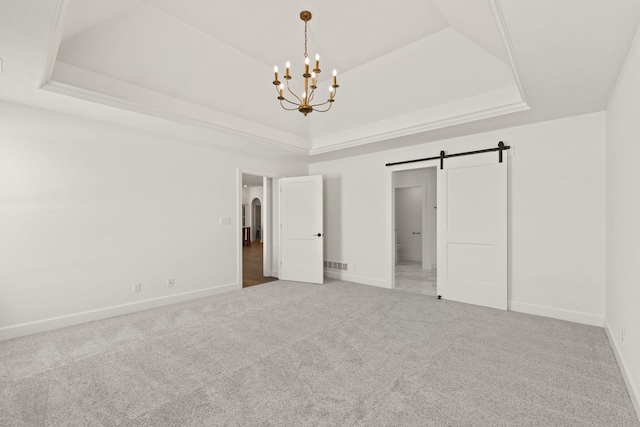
472	230
301	247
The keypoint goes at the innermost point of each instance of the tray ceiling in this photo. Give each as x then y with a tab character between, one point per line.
409	71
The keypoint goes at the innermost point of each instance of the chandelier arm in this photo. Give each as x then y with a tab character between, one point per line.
293	93
288	109
323	111
290	102
335	90
310	97
320	104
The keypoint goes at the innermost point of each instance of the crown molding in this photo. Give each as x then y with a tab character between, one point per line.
508	46
54	41
169	108
452	114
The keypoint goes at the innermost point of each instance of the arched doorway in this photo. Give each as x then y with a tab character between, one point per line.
256	219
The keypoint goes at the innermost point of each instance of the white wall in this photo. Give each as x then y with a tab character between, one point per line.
623	216
87	209
556	214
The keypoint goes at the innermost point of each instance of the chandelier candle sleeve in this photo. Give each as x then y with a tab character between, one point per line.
305	103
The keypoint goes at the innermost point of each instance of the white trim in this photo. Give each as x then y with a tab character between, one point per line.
557	313
341	275
444	115
506	41
634	391
185	113
43	325
55	39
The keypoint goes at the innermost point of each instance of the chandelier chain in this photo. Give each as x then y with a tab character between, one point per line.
305	40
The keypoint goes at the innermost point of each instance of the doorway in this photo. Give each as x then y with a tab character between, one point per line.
256	226
415	230
255	233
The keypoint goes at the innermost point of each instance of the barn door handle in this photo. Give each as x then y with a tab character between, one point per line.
415	232
319	234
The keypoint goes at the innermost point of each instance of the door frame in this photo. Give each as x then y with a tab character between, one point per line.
271	220
391	211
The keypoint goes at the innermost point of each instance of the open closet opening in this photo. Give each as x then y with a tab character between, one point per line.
415	235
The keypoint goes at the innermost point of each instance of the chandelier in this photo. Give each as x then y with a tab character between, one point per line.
305	104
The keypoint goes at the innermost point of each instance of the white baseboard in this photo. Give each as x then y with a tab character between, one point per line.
43	325
557	313
634	391
341	275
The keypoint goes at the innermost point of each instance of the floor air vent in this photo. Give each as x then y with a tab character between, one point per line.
332	265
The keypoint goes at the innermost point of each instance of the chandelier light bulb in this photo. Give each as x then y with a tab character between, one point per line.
306	61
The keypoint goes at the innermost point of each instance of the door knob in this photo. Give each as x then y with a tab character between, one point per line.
319	234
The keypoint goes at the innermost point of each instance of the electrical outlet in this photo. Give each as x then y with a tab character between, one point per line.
137	287
170	282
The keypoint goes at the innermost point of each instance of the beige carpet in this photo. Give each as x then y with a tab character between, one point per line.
292	354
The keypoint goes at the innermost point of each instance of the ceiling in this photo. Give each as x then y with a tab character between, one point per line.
410	71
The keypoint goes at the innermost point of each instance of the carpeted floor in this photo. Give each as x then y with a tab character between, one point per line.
293	354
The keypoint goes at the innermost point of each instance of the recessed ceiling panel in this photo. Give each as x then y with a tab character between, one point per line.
436	70
151	49
345	33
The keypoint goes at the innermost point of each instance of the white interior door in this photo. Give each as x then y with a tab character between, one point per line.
301	231
472	230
